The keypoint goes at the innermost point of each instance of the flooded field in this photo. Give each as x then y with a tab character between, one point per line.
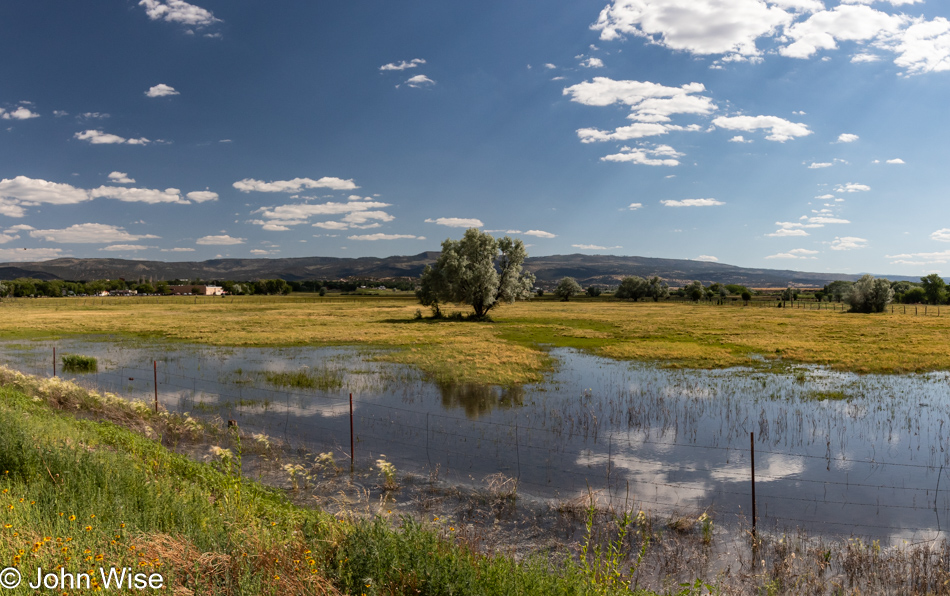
835	454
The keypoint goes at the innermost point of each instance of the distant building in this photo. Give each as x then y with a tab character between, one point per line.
196	290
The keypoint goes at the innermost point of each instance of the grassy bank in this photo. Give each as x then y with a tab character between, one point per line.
511	349
85	494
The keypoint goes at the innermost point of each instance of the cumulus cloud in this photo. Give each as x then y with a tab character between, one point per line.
918	258
897	161
635	206
795	253
739	139
138	195
848	243
649	102
373	237
4	238
540	234
402	64
31	191
779	129
941	235
847	137
88	233
852	187
97	137
222	240
822	30
202	196
125	247
457	222
331	225
787	232
692	203
696	26
817	165
121	178
161	90
592	63
864	57
295	185
419	81
19	113
661	155
178	249
707	258
594	247
178	12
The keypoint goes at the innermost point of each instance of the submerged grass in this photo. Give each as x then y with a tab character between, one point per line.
512	348
305	378
77	363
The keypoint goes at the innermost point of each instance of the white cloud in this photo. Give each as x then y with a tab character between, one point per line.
847	137
97	137
331	225
594	247
635	206
920	258
822	30
161	90
649	102
924	46
865	57
895	161
359	219
19	255
179	12
89	233
419	81
822	220
739	139
457	222
202	196
60	113
550	66
138	195
696	26
787	232
848	243
223	240
825	197
707	259
295	185
31	191
4	238
692	203
126	247
261	251
779	129
121	178
661	155
19	228
817	165
402	64
20	113
178	250
299	213
373	237
91	115
540	234
941	235
852	187
592	62
795	253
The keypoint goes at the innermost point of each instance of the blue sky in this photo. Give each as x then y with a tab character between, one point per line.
795	134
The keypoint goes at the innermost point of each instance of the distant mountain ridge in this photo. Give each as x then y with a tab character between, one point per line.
586	269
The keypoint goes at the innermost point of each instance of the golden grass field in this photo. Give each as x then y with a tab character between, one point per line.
511	349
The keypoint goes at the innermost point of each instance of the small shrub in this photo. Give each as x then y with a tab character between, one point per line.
388	472
76	363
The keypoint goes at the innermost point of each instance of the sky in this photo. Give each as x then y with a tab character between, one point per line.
786	134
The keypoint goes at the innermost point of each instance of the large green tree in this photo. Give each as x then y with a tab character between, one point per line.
566	288
933	286
477	270
870	294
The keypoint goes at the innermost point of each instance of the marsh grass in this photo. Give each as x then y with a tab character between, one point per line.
511	349
323	379
77	363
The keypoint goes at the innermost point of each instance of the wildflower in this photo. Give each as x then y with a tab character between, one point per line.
88	528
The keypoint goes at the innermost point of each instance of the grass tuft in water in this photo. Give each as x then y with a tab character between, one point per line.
77	363
305	378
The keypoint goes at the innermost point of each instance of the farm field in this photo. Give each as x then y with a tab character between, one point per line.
512	348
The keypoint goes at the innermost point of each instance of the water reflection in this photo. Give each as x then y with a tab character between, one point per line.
479	400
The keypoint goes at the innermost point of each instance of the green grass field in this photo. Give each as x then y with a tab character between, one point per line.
512	348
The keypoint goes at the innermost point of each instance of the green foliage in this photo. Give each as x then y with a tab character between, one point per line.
305	378
76	363
869	295
567	288
933	286
632	288
593	291
746	295
837	290
694	291
915	295
477	270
